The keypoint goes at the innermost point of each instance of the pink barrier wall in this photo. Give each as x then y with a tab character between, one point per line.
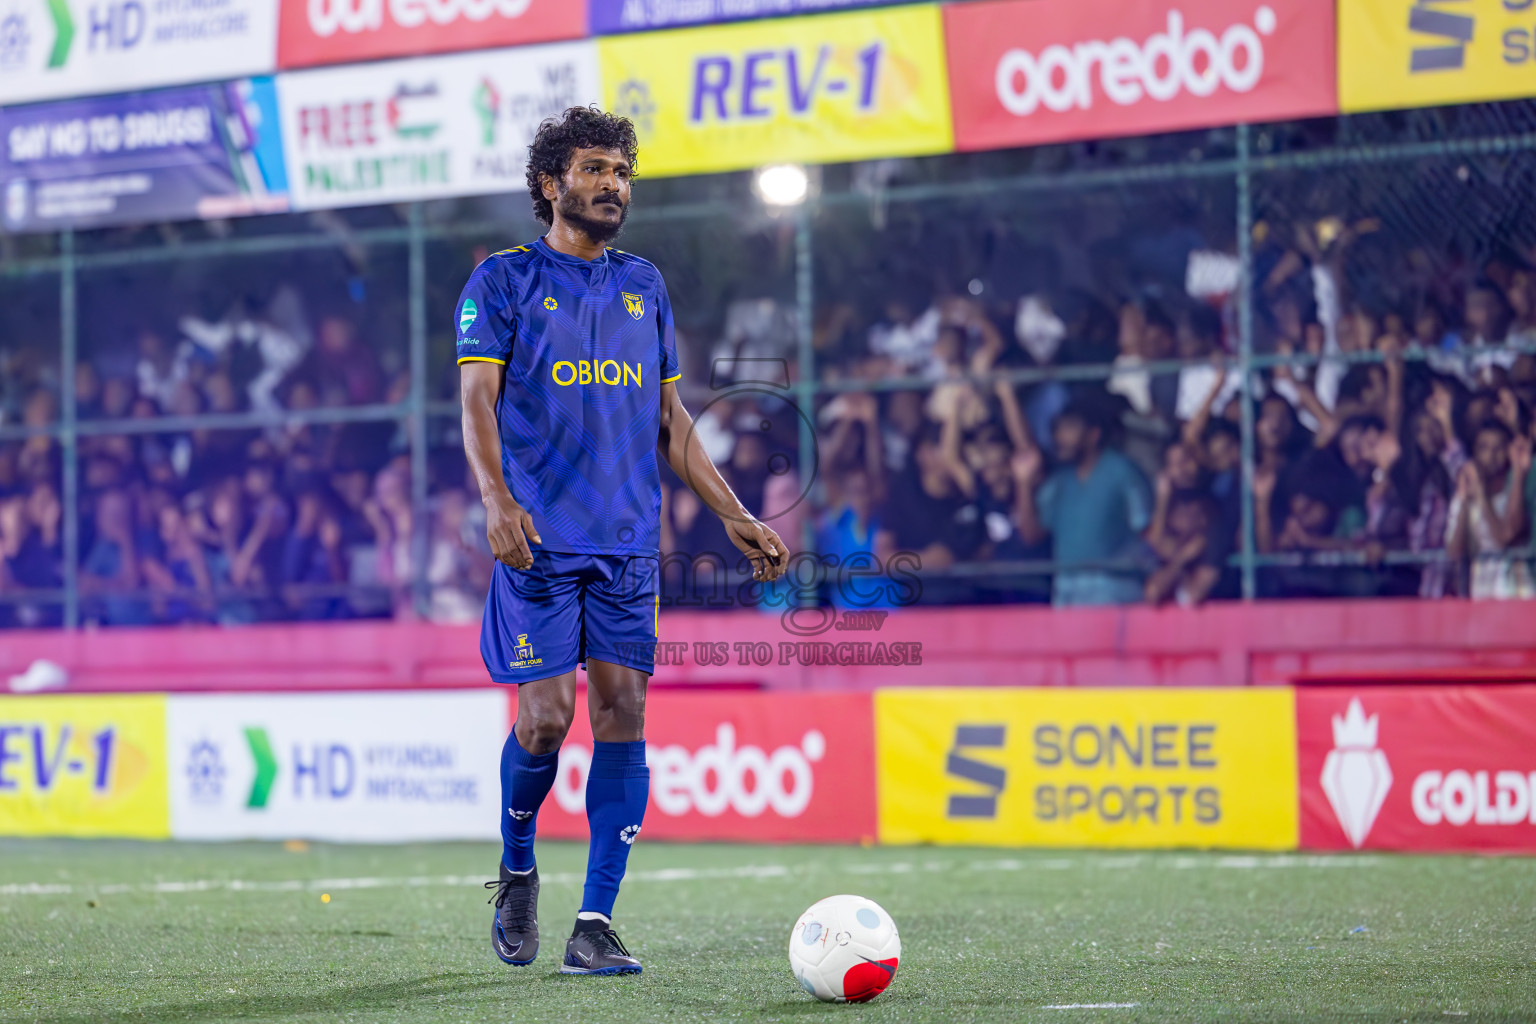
1233	644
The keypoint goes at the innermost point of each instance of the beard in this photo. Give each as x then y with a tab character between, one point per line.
573	212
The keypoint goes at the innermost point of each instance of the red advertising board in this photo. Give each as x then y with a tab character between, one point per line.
338	31
1417	767
1024	72
746	767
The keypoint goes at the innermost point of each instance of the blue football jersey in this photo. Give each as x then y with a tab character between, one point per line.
587	346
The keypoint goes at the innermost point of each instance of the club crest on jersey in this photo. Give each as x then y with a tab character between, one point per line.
467	315
550	303
634	303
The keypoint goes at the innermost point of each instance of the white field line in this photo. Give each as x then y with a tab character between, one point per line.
750	872
1090	1006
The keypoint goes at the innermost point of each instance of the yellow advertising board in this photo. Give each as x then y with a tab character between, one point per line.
1397	54
821	88
1079	767
83	766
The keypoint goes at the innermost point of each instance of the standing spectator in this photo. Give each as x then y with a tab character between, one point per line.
39	455
314	564
342	366
900	424
389	513
30	534
928	513
904	338
1424	478
458	563
1189	567
1094	507
179	579
110	573
852	532
1488	514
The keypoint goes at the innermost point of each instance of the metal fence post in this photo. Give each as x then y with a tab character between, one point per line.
416	423
805	384
69	461
1245	349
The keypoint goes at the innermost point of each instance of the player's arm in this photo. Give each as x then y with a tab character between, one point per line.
507	524
680	446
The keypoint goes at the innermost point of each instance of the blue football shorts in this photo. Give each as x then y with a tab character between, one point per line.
547	619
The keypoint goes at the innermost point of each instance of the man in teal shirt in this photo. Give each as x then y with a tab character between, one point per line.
1095	507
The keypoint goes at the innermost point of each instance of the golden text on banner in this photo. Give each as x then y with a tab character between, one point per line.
83	766
1067	767
821	88
1396	55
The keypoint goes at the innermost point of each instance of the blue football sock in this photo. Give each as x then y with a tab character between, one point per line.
525	782
617	789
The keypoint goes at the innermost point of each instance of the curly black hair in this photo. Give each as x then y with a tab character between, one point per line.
577	128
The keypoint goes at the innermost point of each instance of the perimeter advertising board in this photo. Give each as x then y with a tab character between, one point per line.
83	766
1025	72
420	129
57	48
369	767
342	31
833	87
173	154
1417	767
739	767
1394	54
1065	767
645	15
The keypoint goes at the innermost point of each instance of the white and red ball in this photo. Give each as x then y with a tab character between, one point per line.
844	949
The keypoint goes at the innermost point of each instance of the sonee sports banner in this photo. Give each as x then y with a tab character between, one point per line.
1394	54
1078	767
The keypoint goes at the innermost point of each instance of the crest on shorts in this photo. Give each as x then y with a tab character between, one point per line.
634	303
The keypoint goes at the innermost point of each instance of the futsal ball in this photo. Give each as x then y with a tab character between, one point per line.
844	949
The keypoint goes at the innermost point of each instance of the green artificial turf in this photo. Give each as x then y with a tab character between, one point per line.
107	931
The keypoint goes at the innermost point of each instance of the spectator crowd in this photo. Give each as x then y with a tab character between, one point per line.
1392	437
1048	445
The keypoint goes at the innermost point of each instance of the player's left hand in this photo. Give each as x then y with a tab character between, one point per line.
761	545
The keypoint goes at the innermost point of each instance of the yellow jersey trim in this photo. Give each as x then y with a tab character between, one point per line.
672	378
480	359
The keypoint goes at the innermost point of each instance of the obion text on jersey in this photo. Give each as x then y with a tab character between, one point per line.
593	371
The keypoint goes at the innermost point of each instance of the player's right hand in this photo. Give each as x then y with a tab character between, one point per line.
509	526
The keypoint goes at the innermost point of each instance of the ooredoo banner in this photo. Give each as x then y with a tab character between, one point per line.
171	154
740	767
355	767
404	130
341	31
56	48
1024	72
1067	767
1394	54
832	87
1417	767
83	766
